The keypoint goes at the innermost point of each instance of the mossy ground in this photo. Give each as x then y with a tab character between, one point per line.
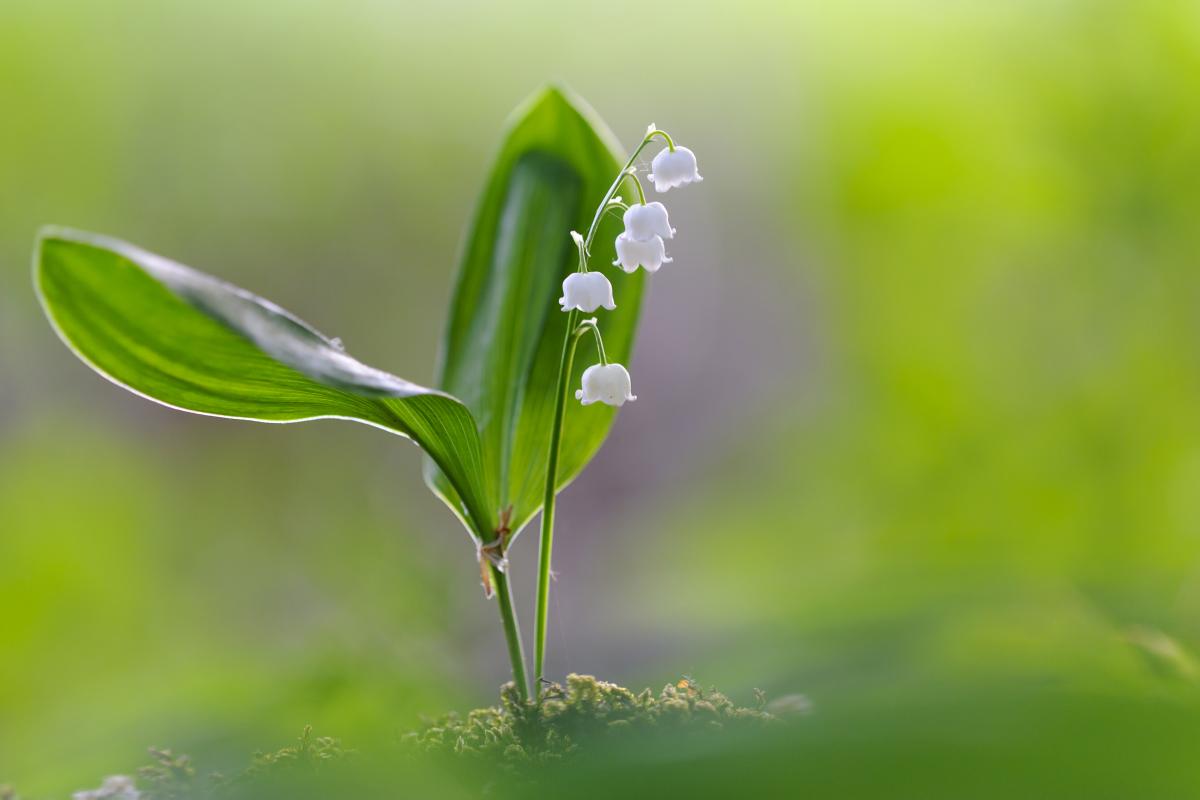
519	738
568	717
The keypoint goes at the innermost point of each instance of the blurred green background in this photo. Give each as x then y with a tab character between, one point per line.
918	429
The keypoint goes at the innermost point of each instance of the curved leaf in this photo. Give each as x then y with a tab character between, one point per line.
192	342
503	339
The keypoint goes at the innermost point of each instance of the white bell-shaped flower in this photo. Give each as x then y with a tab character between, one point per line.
587	291
649	254
650	219
674	168
605	384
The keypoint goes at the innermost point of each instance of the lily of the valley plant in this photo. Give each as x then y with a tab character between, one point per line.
500	436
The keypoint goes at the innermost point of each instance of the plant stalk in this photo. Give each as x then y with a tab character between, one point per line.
547	534
560	404
512	630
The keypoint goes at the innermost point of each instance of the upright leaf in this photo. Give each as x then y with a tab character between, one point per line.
502	343
192	342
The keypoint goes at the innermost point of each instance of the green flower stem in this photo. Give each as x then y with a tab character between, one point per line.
663	134
562	388
512	630
638	184
587	242
560	404
590	324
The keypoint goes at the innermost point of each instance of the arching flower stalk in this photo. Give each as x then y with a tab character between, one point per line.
641	244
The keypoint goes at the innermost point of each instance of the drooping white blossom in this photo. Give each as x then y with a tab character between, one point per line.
587	291
649	254
115	787
674	168
605	384
645	220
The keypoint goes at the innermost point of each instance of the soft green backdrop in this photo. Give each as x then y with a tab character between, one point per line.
918	429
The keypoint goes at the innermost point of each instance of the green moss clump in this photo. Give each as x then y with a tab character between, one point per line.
311	752
518	736
168	776
528	733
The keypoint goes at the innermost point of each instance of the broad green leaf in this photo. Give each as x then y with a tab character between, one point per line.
503	340
192	342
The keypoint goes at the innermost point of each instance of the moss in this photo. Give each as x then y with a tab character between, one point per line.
526	733
173	777
168	776
310	752
517	735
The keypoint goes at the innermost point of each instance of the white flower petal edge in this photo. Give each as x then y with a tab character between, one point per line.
644	221
674	169
587	291
606	384
632	253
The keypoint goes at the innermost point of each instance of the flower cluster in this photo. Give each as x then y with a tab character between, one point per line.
641	244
